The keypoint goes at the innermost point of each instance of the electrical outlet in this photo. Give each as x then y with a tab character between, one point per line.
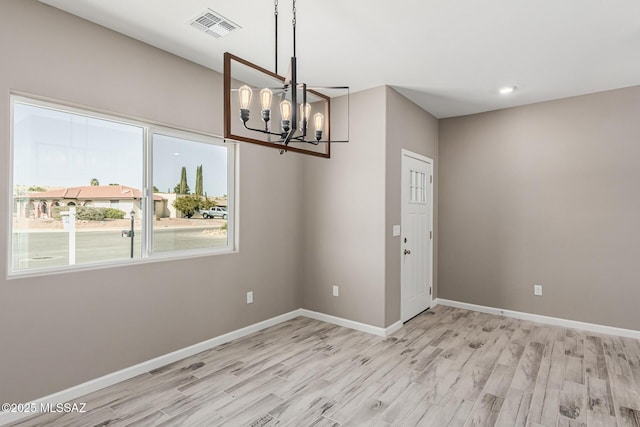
537	290
336	291
250	297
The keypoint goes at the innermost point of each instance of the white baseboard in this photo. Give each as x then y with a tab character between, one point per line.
574	324
393	328
110	379
351	324
124	374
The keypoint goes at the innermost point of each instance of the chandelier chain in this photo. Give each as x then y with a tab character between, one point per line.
275	15
294	13
293	21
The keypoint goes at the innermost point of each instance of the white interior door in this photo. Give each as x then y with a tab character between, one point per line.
417	234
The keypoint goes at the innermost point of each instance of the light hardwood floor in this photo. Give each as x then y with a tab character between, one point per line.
445	367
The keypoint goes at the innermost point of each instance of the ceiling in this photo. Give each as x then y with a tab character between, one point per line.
448	56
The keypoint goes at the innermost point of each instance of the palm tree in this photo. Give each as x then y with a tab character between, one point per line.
95	182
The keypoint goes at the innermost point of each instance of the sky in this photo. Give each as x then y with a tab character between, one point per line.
171	154
59	149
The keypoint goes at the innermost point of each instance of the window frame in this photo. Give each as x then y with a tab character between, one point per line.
150	129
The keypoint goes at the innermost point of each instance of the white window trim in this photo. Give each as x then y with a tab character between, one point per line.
149	129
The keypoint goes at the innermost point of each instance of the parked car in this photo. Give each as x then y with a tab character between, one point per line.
216	211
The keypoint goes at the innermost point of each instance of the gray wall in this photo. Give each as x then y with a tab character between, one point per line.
61	330
550	194
351	204
412	128
344	218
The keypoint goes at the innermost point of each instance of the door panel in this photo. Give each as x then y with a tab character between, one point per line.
417	220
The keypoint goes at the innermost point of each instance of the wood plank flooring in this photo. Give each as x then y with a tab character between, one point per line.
445	367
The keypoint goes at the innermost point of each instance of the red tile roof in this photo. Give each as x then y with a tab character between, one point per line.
93	192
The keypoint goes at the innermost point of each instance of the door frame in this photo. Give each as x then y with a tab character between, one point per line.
420	157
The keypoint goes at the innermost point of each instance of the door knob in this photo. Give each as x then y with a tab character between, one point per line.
407	252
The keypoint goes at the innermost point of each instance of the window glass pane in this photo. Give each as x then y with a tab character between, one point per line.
190	194
77	189
61	161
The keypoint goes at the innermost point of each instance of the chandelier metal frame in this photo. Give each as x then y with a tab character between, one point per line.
291	130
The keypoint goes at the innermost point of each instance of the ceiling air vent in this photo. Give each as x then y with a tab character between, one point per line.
213	24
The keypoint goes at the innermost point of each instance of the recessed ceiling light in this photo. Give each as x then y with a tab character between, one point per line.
506	90
176	154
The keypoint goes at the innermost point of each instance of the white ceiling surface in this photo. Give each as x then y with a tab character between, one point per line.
448	56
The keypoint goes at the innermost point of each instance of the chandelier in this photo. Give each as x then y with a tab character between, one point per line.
274	110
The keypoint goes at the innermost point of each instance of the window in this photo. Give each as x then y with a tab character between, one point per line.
91	189
195	176
417	187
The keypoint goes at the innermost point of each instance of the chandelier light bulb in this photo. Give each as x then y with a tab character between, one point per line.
285	115
305	110
318	121
285	110
245	97
265	98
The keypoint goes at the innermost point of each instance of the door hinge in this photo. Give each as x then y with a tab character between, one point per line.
430	235
429	290
430	179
